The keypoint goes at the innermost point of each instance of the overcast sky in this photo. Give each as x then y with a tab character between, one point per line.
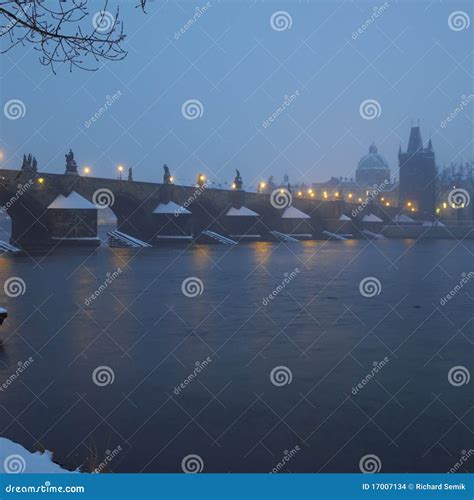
239	63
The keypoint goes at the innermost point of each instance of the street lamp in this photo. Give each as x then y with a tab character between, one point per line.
87	171
201	180
120	169
261	187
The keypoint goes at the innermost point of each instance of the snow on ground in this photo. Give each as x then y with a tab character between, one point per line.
14	459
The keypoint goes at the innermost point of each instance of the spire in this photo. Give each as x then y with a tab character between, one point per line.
415	143
430	145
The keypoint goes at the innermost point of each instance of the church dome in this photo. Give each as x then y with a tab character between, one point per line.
373	160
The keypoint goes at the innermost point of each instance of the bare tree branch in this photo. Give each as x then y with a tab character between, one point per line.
66	33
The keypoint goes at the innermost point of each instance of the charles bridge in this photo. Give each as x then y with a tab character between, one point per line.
29	198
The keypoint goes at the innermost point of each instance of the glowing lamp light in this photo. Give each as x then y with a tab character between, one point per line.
409	204
202	177
40	180
387	204
171	179
233	185
312	195
438	210
336	194
360	199
350	196
445	205
325	194
412	209
300	193
87	170
120	168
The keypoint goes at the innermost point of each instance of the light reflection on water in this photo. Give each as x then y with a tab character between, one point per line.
318	325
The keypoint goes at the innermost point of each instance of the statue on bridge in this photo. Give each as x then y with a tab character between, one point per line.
71	165
167	176
130	174
29	164
238	180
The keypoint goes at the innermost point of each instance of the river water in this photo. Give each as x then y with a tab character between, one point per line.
229	411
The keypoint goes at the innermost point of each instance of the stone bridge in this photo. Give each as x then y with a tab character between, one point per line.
26	197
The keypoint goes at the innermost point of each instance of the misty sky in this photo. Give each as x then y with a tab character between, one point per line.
240	69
